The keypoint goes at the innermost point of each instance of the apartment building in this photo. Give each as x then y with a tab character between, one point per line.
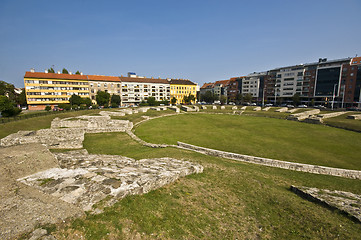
206	87
109	84
50	89
135	89
179	88
253	84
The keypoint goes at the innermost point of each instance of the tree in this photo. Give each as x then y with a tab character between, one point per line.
48	108
239	98
7	108
247	97
102	98
75	100
65	106
77	72
296	99
87	101
151	101
51	70
115	100
208	97
223	99
174	100
21	98
188	99
312	102
65	71
7	89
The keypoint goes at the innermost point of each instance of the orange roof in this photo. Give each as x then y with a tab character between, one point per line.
144	80
207	85
103	78
356	60
55	76
182	82
224	82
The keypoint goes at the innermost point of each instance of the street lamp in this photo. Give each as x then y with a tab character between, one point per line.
333	96
275	93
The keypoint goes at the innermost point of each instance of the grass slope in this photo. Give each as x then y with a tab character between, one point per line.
230	200
264	137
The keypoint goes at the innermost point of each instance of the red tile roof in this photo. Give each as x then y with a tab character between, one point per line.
144	80
55	76
207	85
181	82
223	82
103	78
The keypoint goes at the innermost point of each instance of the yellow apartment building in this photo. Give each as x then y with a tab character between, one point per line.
50	89
180	88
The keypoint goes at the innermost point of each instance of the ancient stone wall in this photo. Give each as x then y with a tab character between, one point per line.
275	163
303	115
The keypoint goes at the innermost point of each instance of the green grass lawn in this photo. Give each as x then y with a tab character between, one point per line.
229	200
263	137
137	117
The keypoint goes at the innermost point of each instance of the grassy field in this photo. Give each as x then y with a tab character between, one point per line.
137	117
229	200
263	137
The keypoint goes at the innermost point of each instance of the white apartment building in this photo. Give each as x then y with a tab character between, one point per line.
251	84
107	84
136	89
289	81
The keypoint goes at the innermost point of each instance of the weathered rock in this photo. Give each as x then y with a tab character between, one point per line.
204	107
266	109
234	108
356	116
303	115
174	108
257	109
214	107
223	107
88	178
38	233
283	109
347	202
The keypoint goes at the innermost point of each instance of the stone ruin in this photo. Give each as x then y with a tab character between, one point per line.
257	109
190	108
85	179
356	116
318	119
303	115
174	108
67	133
347	202
283	109
266	109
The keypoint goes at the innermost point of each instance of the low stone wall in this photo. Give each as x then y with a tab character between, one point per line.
174	108
244	108
190	109
238	112
223	107
203	107
66	138
346	202
214	107
330	115
144	143
109	113
257	109
292	110
234	108
354	174
266	109
356	116
284	109
303	115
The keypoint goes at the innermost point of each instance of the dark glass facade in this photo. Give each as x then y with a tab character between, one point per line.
326	79
358	85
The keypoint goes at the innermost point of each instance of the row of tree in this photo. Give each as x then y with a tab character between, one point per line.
9	100
64	71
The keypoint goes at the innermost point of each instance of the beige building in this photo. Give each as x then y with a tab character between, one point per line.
109	84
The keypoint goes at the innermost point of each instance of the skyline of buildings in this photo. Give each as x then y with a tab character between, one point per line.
314	83
50	89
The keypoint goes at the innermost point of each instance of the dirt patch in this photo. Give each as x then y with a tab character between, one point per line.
36	208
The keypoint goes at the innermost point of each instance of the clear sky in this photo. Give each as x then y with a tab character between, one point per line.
201	40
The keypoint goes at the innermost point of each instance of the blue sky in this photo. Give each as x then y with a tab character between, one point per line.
202	40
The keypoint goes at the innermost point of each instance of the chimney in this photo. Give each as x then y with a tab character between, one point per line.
46	71
81	73
70	73
32	70
58	72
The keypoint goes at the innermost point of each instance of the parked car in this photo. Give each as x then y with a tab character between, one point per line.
268	105
302	106
253	104
217	102
290	106
320	107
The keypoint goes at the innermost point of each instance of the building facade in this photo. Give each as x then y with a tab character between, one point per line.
137	89
179	88
50	89
109	84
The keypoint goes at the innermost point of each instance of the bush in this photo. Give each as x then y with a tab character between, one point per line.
114	105
65	106
48	108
